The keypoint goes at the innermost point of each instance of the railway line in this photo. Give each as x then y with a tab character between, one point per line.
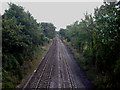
54	70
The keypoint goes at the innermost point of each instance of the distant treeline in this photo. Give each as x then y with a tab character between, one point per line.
21	37
98	39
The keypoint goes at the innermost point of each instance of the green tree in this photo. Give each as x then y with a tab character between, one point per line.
48	29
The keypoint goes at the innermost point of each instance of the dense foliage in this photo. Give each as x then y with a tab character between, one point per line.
98	38
21	37
48	29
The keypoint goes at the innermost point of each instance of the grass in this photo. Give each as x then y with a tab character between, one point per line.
29	66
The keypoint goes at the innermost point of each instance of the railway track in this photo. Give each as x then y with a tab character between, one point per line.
54	71
44	80
67	79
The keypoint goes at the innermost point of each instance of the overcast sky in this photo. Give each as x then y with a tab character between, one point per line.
60	14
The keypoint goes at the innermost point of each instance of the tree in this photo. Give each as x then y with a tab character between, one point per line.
48	29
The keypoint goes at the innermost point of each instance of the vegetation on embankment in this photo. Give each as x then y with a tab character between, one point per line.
22	43
97	38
